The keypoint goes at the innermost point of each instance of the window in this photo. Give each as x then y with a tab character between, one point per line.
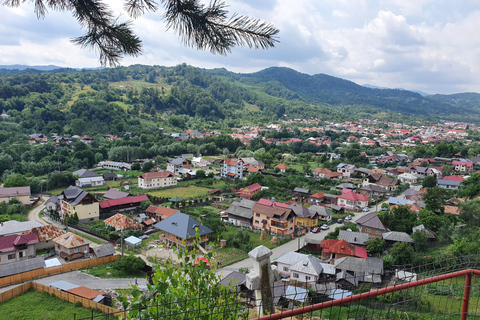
256	221
285	268
367	230
378	232
295	275
257	215
76	250
21	254
308	278
11	256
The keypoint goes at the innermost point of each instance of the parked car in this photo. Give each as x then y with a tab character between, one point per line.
366	209
339	220
316	230
324	227
349	217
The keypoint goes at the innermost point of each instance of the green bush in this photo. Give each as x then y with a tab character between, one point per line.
129	264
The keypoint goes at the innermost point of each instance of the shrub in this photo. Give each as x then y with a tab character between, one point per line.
129	264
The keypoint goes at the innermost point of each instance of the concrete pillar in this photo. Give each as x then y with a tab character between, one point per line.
261	280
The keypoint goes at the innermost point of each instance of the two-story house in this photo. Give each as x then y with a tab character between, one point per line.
346	170
371	224
304	217
21	193
250	190
155	180
381	180
335	249
74	200
462	166
15	247
240	213
273	217
352	200
231	168
174	165
69	246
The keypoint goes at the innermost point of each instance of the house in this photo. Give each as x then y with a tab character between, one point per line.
181	229
371	224
74	200
373	191
355	238
199	162
69	246
302	195
307	269
400	201
428	233
241	213
114	165
317	197
395	236
346	170
352	200
45	236
122	222
448	184
273	217
90	182
363	270
238	280
122	204
336	249
115	194
21	193
232	168
304	218
381	180
12	268
155	180
52	204
288	259
249	191
84	173
103	251
174	165
110	176
323	213
160	213
462	166
282	167
408	178
251	162
17	227
14	248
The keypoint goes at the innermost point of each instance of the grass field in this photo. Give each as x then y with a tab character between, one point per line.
40	305
182	192
106	271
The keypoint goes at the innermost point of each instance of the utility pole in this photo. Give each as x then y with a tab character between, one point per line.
121	239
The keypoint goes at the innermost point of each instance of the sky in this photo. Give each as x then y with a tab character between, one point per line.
431	46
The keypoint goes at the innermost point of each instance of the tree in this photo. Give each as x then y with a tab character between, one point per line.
147	166
402	253
376	245
136	166
399	219
185	290
470	212
420	241
447	170
200	26
200	174
470	188
435	199
429	182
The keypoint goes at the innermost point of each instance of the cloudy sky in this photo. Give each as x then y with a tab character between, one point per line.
427	45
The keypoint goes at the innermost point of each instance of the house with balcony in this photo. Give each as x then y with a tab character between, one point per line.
155	180
74	200
381	180
324	214
174	165
231	168
304	218
352	200
69	246
273	217
14	248
462	167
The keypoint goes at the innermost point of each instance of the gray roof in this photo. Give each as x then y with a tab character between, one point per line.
237	278
291	257
84	173
360	266
74	195
103	251
296	293
300	211
410	192
430	234
52	199
176	161
241	209
399	201
363	170
321	211
346	185
9	269
371	220
308	265
444	182
397	236
63	285
16	227
14	192
182	225
115	194
302	190
353	237
373	188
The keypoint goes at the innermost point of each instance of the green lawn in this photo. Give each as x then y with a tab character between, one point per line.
229	255
106	271
40	305
182	192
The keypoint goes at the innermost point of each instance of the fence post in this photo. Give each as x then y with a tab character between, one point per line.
466	294
261	280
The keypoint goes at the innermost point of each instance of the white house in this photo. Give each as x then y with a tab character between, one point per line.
232	168
155	180
90	182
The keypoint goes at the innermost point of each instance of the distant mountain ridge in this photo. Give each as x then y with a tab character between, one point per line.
49	67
